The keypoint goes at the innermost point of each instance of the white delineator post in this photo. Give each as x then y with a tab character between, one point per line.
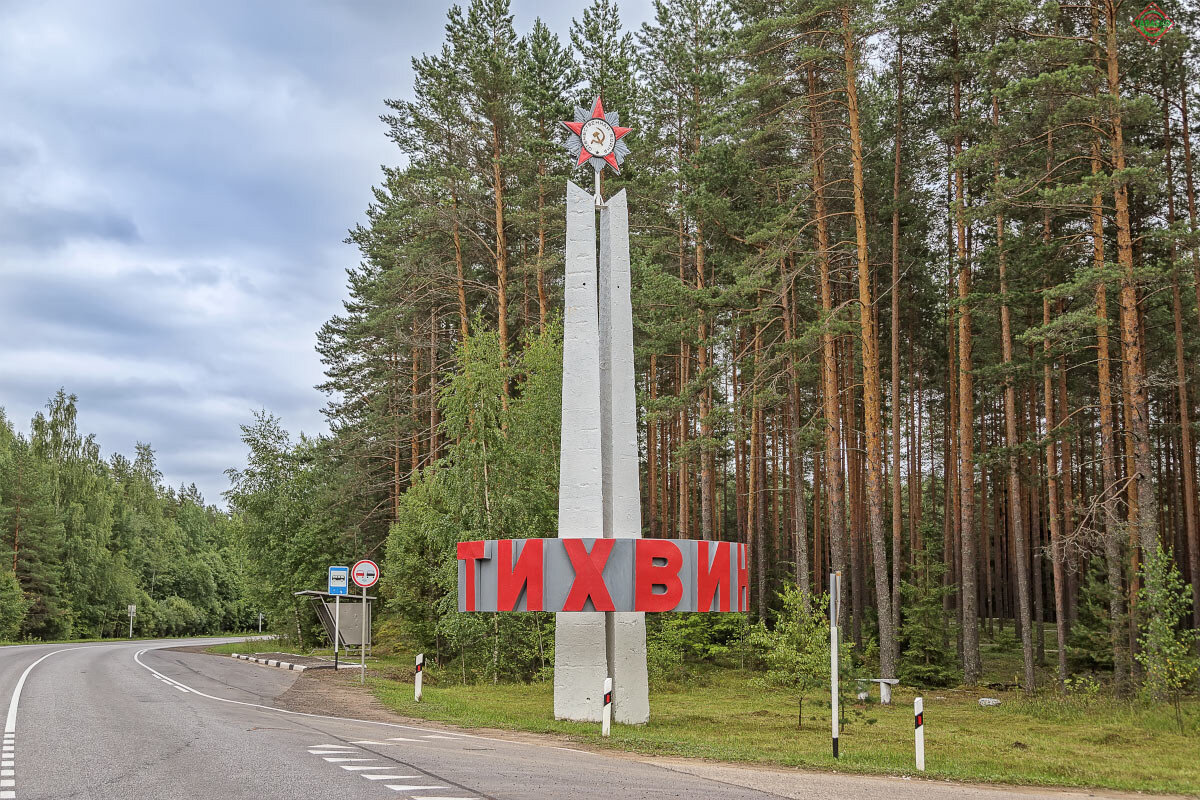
919	724
835	579
606	716
132	611
419	675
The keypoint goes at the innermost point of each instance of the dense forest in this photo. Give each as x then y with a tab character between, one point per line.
89	536
915	295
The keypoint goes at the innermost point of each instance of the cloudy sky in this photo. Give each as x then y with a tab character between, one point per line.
176	180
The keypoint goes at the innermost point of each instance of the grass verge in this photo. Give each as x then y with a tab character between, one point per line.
726	714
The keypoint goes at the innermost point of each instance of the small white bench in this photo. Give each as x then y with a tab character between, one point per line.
885	689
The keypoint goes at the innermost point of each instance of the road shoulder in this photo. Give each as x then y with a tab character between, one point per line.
325	692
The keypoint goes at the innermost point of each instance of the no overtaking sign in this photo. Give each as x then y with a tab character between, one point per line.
365	573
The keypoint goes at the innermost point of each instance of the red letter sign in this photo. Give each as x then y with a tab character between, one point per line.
526	574
471	552
647	575
589	577
714	579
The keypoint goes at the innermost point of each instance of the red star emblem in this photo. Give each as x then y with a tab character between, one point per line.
577	129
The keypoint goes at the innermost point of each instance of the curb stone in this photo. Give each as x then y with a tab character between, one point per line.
269	662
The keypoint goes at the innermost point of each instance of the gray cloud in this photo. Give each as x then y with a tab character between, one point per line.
176	181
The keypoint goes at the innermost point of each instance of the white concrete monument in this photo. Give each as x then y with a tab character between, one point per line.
599	496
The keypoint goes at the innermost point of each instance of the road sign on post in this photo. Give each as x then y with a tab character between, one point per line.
365	574
339	580
339	584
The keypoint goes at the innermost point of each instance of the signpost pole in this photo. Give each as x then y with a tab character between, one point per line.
835	578
337	623
362	648
364	573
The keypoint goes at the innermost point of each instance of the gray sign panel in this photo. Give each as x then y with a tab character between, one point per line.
577	575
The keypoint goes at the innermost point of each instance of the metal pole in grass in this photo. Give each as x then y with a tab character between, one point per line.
606	716
919	724
362	645
835	580
420	674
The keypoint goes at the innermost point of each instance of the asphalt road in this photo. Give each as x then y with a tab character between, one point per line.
134	720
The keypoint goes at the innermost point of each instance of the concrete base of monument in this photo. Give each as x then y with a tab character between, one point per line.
580	666
592	646
627	660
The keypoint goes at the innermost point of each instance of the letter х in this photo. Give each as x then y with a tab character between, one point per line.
589	580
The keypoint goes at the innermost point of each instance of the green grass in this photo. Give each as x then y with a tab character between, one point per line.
726	714
241	647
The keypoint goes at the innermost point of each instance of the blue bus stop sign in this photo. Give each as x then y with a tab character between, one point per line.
339	580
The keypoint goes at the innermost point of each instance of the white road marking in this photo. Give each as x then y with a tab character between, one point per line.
6	763
390	777
392	725
400	739
10	723
6	773
332	747
355	767
8	782
403	788
428	797
8	795
381	744
340	760
437	736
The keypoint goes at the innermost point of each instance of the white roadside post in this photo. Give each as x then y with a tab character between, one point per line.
365	574
835	581
132	612
606	716
260	622
919	724
419	676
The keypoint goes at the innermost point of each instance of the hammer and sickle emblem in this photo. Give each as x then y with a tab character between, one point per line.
598	137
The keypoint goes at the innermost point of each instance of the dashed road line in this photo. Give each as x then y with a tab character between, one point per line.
336	753
405	788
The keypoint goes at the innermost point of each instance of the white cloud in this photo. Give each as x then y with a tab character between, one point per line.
176	181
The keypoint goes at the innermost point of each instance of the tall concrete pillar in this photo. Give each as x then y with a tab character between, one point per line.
580	646
599	495
625	631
